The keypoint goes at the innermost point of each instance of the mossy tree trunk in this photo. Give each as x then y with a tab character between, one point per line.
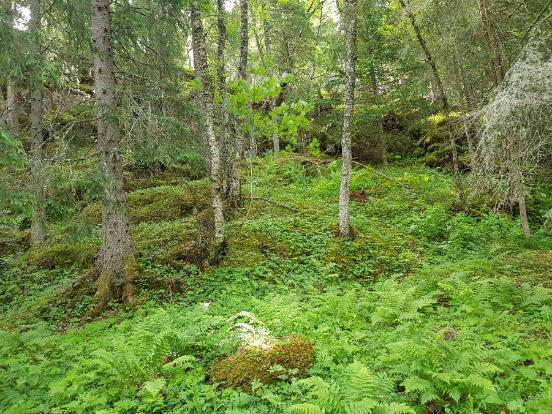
115	266
38	223
350	20
443	99
202	71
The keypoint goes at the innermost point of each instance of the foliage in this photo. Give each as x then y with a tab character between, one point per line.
427	309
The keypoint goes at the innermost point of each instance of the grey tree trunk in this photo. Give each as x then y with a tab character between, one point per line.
244	39
3	110
492	42
11	103
115	266
227	145
234	195
38	223
520	196
202	71
12	109
275	142
345	229
443	99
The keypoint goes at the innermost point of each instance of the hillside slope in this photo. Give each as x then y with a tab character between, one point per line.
428	310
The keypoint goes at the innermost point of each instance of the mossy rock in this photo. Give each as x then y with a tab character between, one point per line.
292	356
57	255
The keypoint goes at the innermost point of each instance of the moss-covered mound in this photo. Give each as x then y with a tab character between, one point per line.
159	204
57	255
292	356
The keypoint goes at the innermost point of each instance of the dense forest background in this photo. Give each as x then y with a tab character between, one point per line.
265	206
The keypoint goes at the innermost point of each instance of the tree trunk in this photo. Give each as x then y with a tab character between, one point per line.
443	99
3	110
345	229
492	42
244	40
227	147
520	195
115	266
202	71
11	102
38	223
234	195
275	142
268	48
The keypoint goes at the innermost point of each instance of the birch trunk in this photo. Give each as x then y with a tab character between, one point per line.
202	71
345	229
115	266
38	223
443	99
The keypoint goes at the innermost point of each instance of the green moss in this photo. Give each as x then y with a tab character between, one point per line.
292	356
11	240
160	203
58	255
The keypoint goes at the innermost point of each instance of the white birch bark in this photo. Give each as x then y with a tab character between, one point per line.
345	229
202	71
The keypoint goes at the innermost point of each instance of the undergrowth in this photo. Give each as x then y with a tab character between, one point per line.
429	310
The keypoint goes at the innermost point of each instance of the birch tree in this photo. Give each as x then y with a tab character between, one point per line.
350	23
202	71
115	266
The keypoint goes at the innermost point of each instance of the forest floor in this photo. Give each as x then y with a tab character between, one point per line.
430	309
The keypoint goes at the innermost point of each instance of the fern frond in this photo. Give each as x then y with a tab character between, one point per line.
365	406
305	408
398	408
361	383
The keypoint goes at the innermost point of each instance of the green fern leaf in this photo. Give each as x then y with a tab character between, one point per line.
154	386
361	383
398	408
305	408
365	406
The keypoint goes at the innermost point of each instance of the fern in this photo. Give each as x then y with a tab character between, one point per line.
358	392
306	408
